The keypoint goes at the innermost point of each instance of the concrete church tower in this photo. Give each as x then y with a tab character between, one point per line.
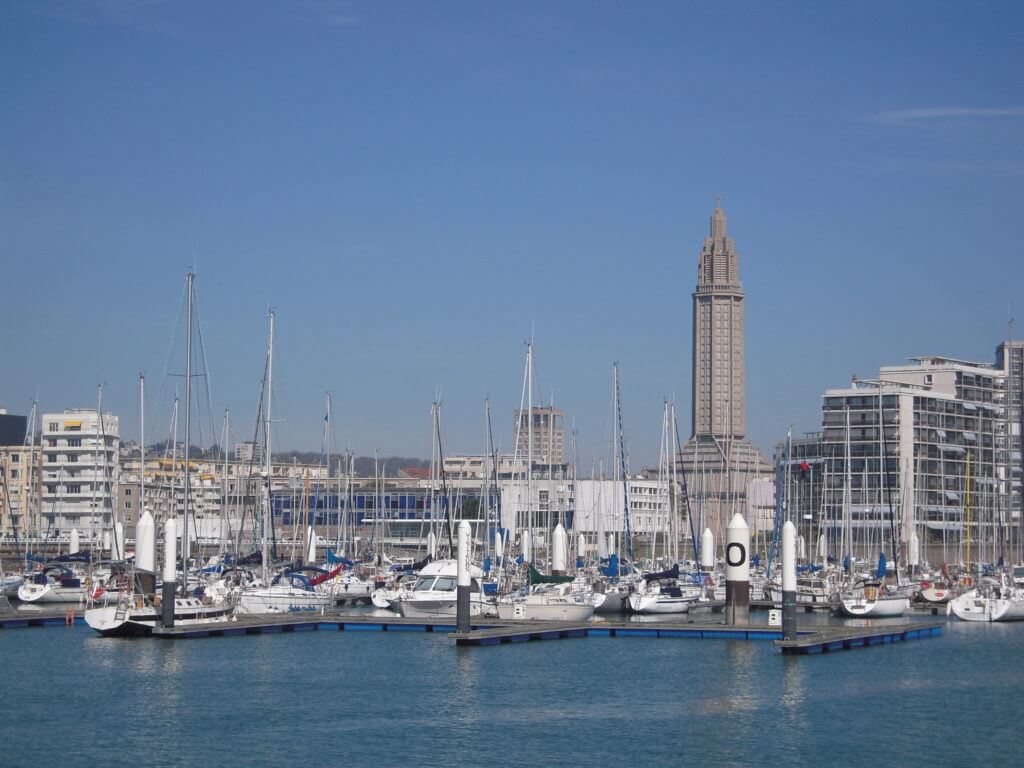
718	459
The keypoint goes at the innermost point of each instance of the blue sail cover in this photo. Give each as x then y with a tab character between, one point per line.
671	573
612	569
85	556
335	559
880	573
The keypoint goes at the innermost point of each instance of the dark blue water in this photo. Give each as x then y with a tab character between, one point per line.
328	698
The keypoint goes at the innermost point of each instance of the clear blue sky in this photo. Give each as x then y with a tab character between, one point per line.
415	186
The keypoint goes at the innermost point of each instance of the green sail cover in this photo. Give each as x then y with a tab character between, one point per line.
536	577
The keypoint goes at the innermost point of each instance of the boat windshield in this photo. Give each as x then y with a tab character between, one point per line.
445	584
423	582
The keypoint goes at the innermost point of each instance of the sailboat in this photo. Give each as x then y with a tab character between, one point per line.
290	591
990	602
136	612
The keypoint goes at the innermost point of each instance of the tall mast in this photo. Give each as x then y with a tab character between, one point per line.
529	446
142	444
623	465
266	517
190	282
225	506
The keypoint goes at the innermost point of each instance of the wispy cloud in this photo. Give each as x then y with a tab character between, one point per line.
945	113
142	15
342	20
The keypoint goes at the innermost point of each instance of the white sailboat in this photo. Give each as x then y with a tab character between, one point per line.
870	598
991	602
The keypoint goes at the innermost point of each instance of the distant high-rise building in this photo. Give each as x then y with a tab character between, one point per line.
248	452
719	459
548	435
80	454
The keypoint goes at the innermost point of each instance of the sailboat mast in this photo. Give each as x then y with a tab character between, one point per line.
265	518
142	444
529	447
190	282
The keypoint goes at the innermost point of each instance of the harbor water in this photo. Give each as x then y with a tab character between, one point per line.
324	697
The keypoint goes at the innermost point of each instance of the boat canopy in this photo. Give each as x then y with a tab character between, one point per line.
671	573
536	577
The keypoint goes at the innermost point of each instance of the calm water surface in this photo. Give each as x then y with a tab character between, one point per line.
328	698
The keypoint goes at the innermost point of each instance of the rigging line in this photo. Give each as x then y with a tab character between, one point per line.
206	367
170	350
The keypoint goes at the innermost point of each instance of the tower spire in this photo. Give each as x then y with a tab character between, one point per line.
718	219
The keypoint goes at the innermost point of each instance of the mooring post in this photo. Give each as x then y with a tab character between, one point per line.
170	572
789	581
737	571
463	580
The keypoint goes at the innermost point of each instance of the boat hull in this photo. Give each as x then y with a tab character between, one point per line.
435	607
50	593
973	607
879	608
282	600
140	621
660	604
525	611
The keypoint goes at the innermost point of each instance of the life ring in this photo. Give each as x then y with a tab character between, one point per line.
97	593
926	585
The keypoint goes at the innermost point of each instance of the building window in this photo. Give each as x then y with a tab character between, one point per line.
54	426
74	489
15	458
127	491
75	442
128	505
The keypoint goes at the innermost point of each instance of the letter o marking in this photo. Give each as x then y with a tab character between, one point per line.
739	557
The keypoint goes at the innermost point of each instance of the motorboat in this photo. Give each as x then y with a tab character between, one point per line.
434	593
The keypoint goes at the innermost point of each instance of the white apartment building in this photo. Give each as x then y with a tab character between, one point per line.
79	473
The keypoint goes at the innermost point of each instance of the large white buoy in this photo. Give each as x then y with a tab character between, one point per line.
737	571
73	542
559	545
526	546
310	545
801	547
707	549
602	546
106	541
431	545
611	544
788	581
822	548
499	545
170	550
145	543
581	546
914	551
170	571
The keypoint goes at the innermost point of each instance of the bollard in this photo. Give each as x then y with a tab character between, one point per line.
737	572
463	580
788	581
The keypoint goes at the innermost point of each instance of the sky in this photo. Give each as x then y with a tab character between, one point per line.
418	188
